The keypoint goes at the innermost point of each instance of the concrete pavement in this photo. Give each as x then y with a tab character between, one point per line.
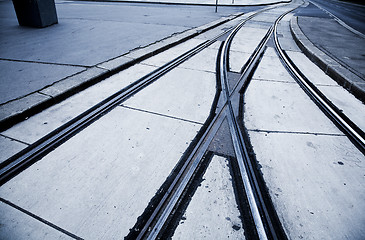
84	186
40	67
149	138
313	173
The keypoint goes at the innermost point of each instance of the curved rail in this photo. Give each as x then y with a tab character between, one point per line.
354	133
10	167
160	216
238	144
265	225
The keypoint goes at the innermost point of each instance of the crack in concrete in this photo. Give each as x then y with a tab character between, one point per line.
294	132
270	80
45	94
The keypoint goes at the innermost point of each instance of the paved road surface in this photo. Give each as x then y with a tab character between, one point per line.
87	34
352	14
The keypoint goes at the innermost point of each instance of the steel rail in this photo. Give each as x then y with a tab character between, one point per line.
176	189
352	131
263	221
10	167
18	162
153	227
239	146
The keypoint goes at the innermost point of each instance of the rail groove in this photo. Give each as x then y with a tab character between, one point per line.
20	161
265	225
352	131
10	167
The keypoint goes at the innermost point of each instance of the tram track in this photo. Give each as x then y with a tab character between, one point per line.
271	133
20	161
343	122
267	225
262	214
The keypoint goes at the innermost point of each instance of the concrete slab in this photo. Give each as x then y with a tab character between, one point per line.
182	93
216	45
347	103
243	45
277	106
213	212
285	21
269	62
9	147
315	182
43	123
237	60
247	39
95	185
16	225
206	60
172	53
311	71
288	44
256	24
30	76
269	16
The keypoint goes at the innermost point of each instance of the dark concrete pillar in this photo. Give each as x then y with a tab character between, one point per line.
35	13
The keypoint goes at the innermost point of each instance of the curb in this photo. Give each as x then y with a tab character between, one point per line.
22	108
336	71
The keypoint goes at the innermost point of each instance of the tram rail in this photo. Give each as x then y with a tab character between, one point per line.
18	162
10	167
267	224
343	122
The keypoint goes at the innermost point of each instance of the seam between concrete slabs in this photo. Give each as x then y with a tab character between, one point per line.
188	68
160	114
42	220
200	70
14	139
47	63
